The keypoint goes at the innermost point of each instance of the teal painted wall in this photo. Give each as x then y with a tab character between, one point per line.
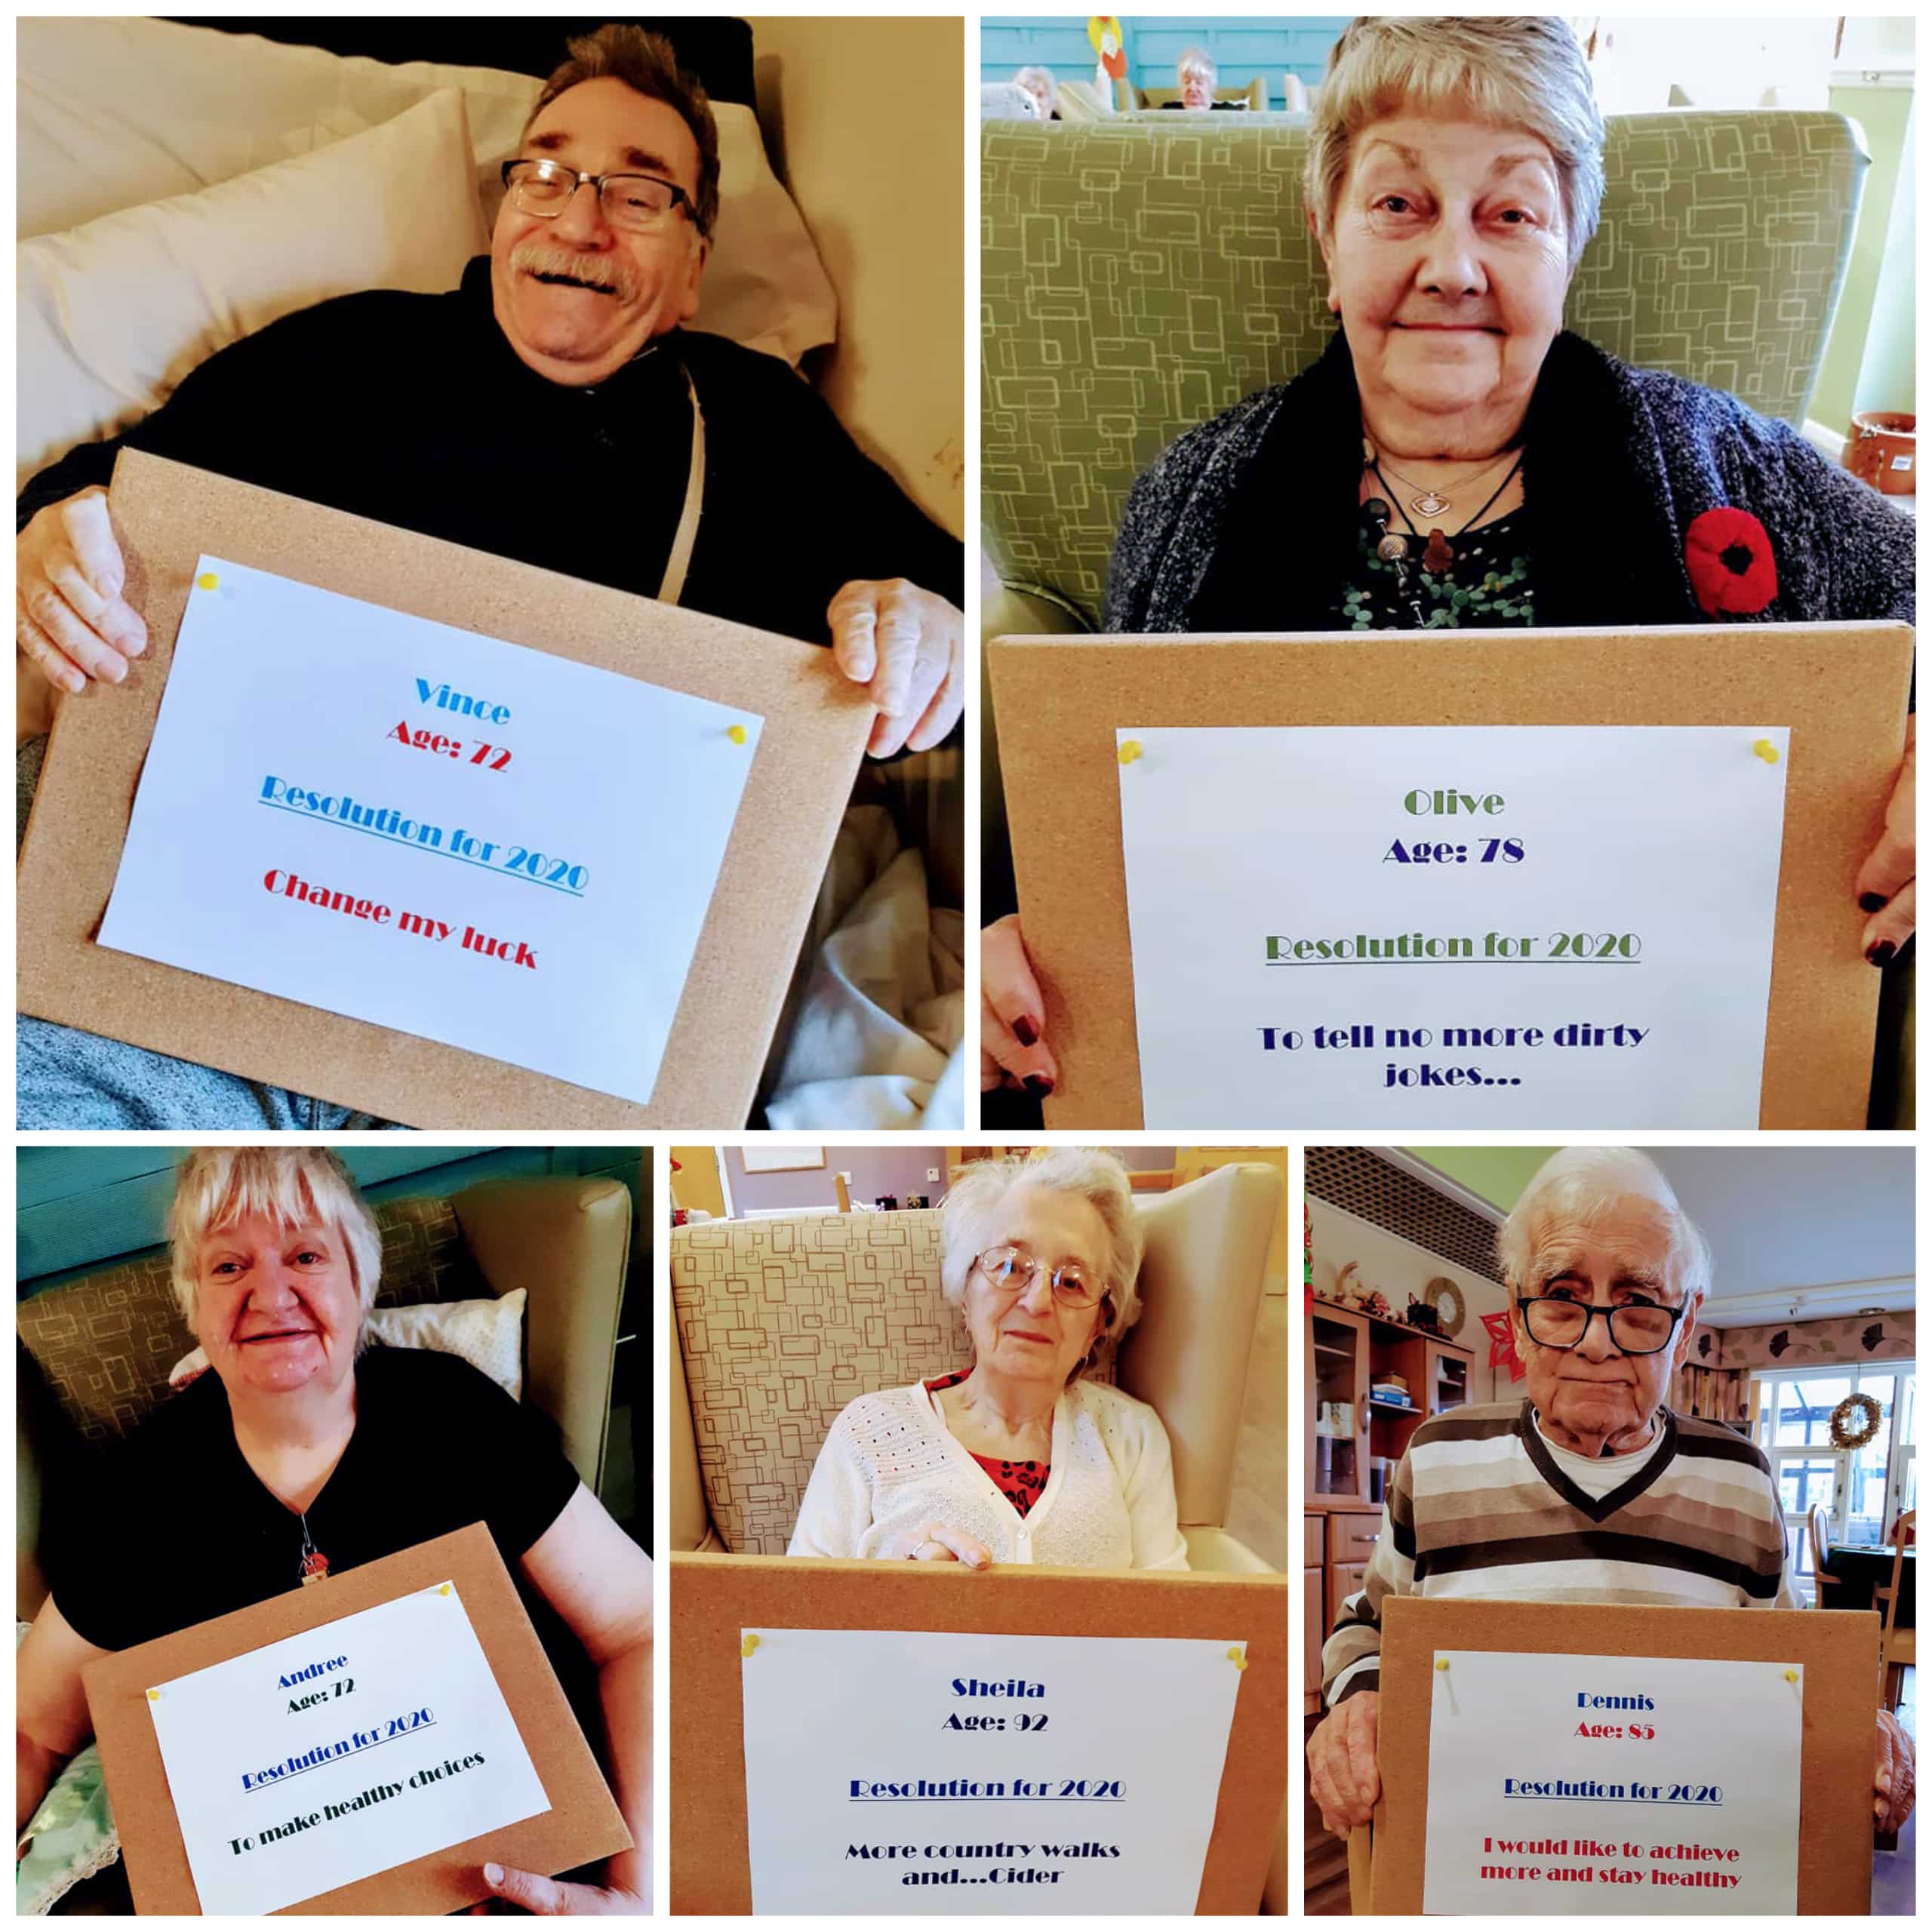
1240	48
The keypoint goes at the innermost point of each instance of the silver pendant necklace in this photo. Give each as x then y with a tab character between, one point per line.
1428	501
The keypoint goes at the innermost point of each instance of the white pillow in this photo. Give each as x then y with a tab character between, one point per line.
111	316
114	112
488	1335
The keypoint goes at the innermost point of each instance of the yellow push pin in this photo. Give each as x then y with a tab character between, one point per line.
1791	1677
1129	750
1238	1658
443	1590
1442	1664
738	734
1766	750
750	1644
154	1696
208	580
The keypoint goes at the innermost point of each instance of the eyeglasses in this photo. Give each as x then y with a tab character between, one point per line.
1636	1327
635	202
1005	1267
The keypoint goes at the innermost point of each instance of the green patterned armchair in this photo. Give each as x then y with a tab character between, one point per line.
1136	279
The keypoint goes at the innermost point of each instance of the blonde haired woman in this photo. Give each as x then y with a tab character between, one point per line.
295	1459
1023	1458
1455	458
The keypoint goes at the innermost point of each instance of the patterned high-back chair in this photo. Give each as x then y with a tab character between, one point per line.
1138	275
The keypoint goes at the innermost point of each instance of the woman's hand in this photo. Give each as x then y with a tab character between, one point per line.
936	1543
554	1898
1342	1773
908	645
1894	1775
1012	1015
70	622
1888	881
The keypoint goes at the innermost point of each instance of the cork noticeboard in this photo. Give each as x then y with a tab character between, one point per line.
1842	688
1838	1649
810	747
715	1599
582	1823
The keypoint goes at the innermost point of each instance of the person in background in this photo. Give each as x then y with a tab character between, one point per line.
1195	74
1038	83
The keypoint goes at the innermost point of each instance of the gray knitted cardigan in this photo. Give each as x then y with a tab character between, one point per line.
1241	525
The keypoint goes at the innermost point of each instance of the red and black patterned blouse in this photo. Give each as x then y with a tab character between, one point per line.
1022	1484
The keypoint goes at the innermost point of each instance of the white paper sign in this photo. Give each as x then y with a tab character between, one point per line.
407	824
1567	1786
1472	927
346	1751
907	1772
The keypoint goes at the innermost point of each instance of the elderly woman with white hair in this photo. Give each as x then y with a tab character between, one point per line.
303	1454
1195	74
1592	1491
1024	1457
1037	84
1455	458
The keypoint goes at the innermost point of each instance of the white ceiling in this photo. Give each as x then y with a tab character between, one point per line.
1831	1226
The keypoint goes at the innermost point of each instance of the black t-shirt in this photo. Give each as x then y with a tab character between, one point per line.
414	411
172	1527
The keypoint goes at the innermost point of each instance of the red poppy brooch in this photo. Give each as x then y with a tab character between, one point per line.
1732	569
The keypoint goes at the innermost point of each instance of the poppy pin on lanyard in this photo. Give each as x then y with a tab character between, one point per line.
315	1564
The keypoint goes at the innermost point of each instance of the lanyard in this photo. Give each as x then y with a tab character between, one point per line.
679	560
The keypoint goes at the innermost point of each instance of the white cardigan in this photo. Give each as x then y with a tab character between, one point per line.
890	1465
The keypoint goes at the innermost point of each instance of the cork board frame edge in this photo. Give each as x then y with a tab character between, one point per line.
582	1823
811	745
1059	700
1839	1650
713	1596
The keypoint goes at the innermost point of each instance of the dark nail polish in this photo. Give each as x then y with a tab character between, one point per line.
1880	954
1028	1034
1039	1085
1871	902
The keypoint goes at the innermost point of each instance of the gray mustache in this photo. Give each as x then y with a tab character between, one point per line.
600	271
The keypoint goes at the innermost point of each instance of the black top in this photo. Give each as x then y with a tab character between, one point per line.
1488	583
415	411
172	1527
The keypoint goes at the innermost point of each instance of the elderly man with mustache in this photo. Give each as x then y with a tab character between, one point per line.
553	409
1592	1490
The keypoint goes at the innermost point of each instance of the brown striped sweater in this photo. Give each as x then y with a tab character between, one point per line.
1480	1507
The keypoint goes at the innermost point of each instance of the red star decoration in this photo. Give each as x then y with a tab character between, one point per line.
1502	1346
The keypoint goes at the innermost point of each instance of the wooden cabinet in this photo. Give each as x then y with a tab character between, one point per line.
1354	1437
1311	1668
1352	1539
1337	1430
1446	1371
1344	1580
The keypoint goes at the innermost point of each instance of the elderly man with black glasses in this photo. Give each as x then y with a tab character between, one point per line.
553	410
1590	1490
1023	1457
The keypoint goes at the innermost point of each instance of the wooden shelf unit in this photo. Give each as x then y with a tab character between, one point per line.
1347	1352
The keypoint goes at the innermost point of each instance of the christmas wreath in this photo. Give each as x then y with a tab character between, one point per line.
1845	1435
